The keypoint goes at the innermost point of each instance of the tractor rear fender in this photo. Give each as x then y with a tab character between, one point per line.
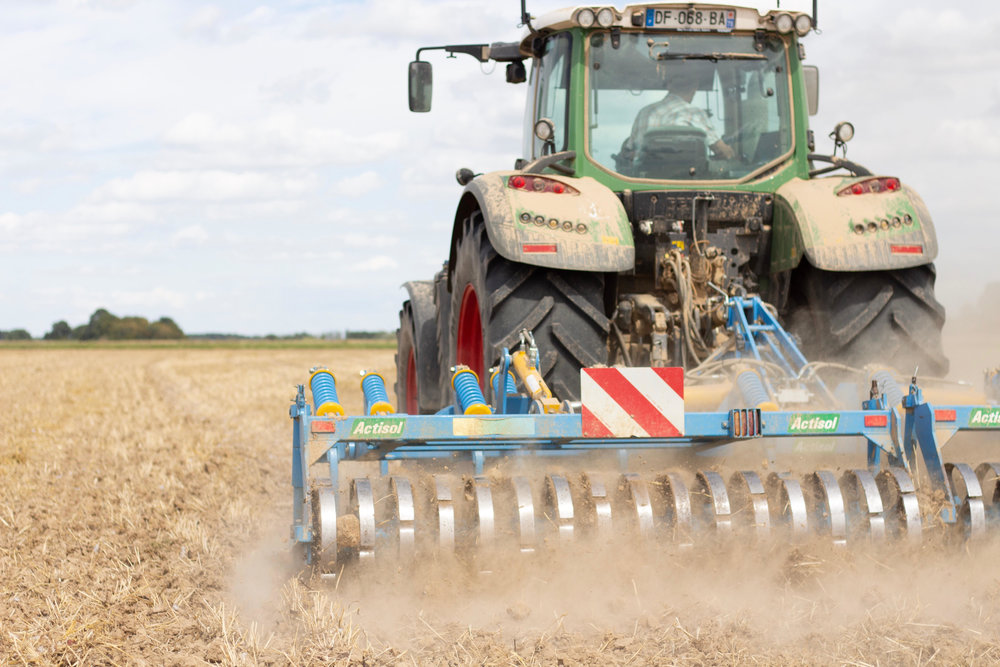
873	231
584	228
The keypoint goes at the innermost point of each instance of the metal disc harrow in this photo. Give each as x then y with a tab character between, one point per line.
397	517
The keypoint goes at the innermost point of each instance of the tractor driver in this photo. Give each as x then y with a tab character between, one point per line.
676	110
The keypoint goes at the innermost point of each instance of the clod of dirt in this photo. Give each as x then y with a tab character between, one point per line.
519	611
348	531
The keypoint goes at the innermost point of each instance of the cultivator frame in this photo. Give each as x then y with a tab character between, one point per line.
870	502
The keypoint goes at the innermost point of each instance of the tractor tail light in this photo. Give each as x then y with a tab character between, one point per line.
886	184
540	184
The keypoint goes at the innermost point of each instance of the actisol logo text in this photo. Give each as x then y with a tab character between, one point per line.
378	427
814	423
985	417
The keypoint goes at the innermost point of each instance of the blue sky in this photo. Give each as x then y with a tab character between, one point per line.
252	168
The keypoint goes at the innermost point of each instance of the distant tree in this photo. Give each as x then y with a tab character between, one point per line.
15	334
128	328
100	325
79	332
165	328
60	331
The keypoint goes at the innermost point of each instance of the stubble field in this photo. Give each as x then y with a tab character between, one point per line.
144	511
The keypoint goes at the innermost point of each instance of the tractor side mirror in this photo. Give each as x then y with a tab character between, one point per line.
811	73
420	85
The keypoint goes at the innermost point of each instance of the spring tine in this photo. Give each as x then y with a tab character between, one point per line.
324	527
678	507
559	503
479	487
788	502
598	495
714	507
637	497
525	514
363	500
750	502
825	504
863	503
968	495
402	493
900	497
989	482
445	513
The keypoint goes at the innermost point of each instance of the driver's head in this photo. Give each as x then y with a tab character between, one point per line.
684	80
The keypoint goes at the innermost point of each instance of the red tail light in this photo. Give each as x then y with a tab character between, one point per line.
540	184
888	184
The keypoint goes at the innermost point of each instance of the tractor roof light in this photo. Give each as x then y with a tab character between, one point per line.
843	132
803	24
586	18
545	129
605	17
784	23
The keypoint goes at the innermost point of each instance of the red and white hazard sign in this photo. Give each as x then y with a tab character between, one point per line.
632	402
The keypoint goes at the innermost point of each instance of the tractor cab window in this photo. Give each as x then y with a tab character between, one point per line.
552	73
687	107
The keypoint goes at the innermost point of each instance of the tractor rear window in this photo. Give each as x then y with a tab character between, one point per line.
687	107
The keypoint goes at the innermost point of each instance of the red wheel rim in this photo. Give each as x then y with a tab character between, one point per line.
412	404
469	337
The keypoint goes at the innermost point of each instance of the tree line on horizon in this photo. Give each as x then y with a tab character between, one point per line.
105	325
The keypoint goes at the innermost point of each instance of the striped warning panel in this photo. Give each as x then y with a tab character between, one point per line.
632	402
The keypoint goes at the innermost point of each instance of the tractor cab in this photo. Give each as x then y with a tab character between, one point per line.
668	93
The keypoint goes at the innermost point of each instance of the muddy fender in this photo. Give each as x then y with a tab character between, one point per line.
874	231
584	228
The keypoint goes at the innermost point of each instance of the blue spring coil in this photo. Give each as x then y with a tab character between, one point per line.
324	391
752	388
511	387
376	397
470	396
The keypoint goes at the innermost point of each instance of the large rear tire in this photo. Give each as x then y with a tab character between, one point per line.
885	317
407	388
492	299
417	371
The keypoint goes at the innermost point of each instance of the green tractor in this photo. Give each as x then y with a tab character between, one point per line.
667	165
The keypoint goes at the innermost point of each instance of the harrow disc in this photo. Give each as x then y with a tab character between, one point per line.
989	483
711	509
749	505
559	507
788	505
825	506
899	498
968	492
863	501
598	503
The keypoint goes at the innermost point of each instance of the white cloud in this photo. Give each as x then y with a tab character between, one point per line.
278	140
211	24
9	221
204	22
148	299
113	5
111	211
358	186
192	234
208	185
376	263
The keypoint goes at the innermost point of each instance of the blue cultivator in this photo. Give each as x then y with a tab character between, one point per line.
461	480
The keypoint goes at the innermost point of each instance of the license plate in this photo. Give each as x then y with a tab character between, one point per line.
719	20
